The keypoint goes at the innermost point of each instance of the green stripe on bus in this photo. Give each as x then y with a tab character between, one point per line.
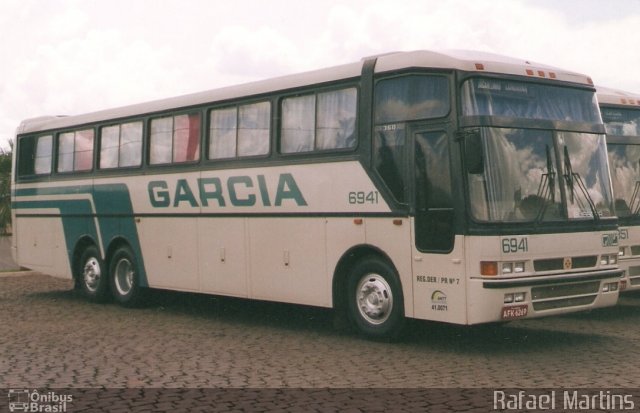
78	217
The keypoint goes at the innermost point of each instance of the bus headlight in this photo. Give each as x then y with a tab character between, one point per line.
506	268
621	252
610	287
518	267
609	259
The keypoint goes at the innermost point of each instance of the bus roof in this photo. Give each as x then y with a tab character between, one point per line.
608	96
470	61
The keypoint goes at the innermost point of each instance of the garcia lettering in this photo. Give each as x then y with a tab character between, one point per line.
237	191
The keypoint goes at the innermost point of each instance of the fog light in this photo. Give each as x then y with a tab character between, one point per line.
518	267
507	268
508	298
488	268
519	297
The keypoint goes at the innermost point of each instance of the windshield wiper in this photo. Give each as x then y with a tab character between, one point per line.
547	187
574	179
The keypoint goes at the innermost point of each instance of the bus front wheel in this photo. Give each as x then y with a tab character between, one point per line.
124	275
92	277
375	302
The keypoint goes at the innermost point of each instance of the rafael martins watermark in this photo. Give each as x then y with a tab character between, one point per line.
565	400
50	401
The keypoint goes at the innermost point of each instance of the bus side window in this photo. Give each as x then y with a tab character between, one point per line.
336	119
222	133
175	139
44	152
319	122
298	124
239	131
35	155
75	151
253	129
121	145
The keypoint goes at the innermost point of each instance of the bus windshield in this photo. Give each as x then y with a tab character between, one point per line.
506	98
624	161
540	175
535	175
621	122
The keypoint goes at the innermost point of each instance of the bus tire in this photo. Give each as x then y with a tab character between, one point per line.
125	278
92	277
375	304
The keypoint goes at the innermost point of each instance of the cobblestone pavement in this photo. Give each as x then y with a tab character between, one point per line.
53	338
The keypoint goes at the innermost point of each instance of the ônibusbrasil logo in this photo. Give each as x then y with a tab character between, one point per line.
25	400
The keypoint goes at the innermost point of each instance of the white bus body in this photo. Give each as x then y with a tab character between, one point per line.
405	185
621	116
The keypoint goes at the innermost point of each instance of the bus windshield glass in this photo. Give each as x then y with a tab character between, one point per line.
506	98
621	122
624	161
531	175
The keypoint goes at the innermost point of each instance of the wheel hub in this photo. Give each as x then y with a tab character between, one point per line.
124	276
374	299
92	274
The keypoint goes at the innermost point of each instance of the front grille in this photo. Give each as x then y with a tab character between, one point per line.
556	264
553	291
633	271
564	302
566	295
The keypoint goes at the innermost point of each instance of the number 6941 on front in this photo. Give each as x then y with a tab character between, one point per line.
515	244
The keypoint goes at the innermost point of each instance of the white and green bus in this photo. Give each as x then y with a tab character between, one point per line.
458	187
621	115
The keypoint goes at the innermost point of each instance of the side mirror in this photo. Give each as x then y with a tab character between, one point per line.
473	152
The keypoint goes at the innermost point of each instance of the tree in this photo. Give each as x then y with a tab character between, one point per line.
5	188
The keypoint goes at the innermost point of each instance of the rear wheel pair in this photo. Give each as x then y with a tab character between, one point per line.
120	281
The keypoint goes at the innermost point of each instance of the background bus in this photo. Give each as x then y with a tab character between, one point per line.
621	116
457	187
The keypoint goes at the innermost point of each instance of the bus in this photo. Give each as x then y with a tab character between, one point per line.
621	115
459	187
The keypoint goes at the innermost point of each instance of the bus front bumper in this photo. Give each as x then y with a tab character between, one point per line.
538	296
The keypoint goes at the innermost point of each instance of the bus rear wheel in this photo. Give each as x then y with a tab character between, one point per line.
124	276
92	276
375	302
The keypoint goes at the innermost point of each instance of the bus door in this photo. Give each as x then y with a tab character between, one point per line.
438	266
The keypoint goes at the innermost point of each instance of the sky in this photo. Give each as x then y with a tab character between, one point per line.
66	57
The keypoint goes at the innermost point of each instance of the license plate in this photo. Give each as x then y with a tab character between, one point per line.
514	311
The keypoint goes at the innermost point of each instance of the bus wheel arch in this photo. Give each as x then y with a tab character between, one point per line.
367	288
89	271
